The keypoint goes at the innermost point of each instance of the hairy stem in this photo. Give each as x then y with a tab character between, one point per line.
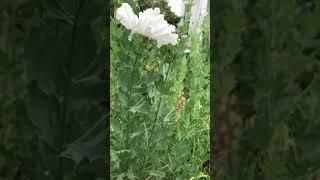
158	107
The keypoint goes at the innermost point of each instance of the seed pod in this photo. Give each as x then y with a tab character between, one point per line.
180	102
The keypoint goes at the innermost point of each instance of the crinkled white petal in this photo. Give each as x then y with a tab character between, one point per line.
150	23
126	16
153	25
177	7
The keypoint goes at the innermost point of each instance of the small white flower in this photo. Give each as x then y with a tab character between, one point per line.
187	51
150	23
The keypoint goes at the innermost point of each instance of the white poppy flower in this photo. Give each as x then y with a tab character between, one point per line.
150	24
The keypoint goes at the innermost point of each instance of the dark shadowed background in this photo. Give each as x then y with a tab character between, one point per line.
53	87
266	82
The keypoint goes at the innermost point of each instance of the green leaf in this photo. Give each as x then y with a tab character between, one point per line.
42	111
123	97
157	173
141	107
86	92
45	57
92	149
134	134
121	176
130	174
114	159
165	68
169	115
151	90
124	80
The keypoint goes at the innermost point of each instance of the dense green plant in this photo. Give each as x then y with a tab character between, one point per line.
159	106
266	76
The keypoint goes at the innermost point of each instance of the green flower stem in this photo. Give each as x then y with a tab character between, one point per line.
131	85
158	108
155	118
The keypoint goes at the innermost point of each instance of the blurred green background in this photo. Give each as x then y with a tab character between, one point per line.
53	74
266	84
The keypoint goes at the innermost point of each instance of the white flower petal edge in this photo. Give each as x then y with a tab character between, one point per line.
126	16
153	25
150	24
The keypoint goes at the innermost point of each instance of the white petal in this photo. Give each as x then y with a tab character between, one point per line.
126	16
150	23
153	25
167	39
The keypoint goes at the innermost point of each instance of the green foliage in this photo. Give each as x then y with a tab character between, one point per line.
267	56
159	106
